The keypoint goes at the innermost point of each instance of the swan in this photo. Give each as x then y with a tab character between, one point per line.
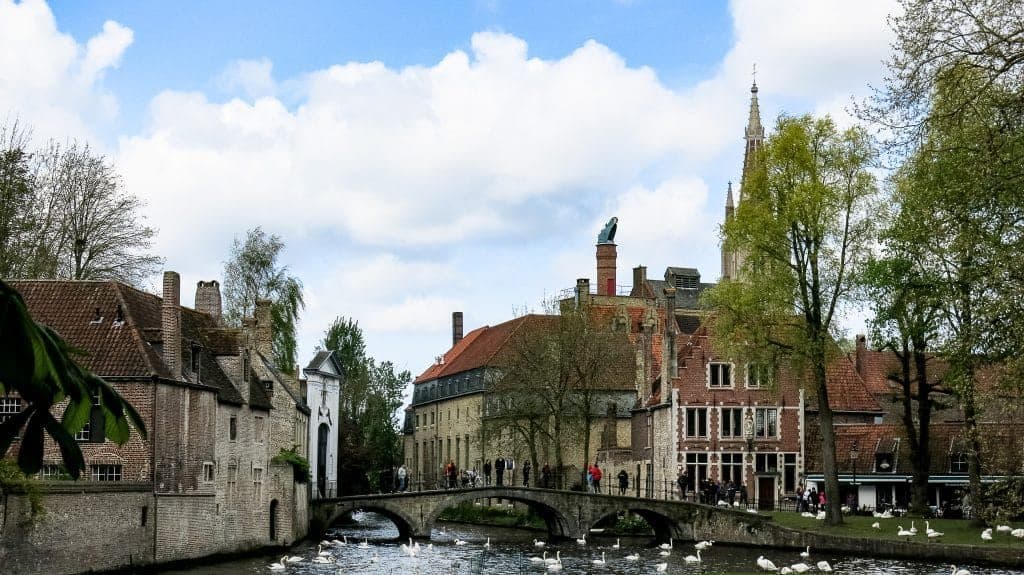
986	535
582	540
901	532
557	559
365	544
876	525
375	557
322	559
408	551
692	559
633	557
555	566
326	543
320	551
959	571
807	553
538	543
667	545
1018	533
280	565
664	552
459	541
912	528
766	564
1004	528
824	566
295	559
536	559
933	534
661	567
785	570
820	515
600	561
702	545
336	543
487	545
616	546
800	568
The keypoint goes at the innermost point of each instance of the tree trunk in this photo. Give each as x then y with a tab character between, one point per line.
921	457
834	515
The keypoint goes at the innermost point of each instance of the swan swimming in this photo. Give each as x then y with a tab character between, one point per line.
280	565
692	559
600	561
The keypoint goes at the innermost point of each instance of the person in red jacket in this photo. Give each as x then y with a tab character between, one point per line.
595	473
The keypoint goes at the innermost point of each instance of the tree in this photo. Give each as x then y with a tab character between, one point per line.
16	188
252	273
37	365
905	323
371	394
803	226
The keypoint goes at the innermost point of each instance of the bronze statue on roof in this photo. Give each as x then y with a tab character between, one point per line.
607	235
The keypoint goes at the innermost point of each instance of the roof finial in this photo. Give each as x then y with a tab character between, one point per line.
753	87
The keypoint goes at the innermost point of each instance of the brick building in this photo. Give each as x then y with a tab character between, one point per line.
204	480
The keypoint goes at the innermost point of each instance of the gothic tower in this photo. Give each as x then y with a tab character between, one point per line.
754	137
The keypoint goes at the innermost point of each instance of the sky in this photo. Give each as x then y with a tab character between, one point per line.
420	158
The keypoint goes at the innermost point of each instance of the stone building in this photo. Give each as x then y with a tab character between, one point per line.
323	384
203	481
453	417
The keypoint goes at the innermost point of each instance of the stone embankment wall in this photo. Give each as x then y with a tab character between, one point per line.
83	529
736	527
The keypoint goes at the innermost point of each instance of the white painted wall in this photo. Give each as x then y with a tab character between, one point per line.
323	396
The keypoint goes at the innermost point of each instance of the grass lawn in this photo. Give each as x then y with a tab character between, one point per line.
956	531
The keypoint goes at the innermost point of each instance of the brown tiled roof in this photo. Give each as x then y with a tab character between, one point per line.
436	370
846	389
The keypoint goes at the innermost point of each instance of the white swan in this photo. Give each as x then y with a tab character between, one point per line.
616	546
460	541
785	570
986	535
1004	528
959	571
692	559
901	532
321	559
555	566
702	545
280	565
766	564
582	540
365	544
824	566
807	553
800	568
375	558
876	525
667	545
1018	533
487	545
320	551
664	553
633	557
557	559
538	543
661	567
600	561
295	559
536	559
912	528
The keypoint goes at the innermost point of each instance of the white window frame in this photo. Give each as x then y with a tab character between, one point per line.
761	423
9	407
736	423
693	412
714	366
734	463
105	471
208	472
762	381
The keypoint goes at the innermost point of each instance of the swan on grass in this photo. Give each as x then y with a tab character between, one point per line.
785	570
901	532
1004	528
986	535
800	568
876	525
766	564
1018	533
912	528
692	558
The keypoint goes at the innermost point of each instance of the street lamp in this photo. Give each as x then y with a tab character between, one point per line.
854	453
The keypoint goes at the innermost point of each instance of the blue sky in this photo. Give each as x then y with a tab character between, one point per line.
419	159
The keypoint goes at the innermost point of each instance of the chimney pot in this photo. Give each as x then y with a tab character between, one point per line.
264	335
208	299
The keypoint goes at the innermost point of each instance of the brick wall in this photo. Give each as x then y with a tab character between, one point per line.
83	529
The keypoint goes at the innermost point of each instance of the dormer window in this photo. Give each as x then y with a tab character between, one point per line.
884	463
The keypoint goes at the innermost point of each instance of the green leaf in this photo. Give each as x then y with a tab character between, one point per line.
30	452
70	452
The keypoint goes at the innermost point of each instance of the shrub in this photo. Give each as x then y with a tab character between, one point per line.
300	465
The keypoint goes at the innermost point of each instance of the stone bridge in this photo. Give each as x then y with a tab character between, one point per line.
568	514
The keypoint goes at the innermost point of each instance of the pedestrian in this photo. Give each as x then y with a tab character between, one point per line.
499	470
743	494
526	473
681	481
402	474
487	472
731	490
821	500
596	473
545	476
623	482
812	497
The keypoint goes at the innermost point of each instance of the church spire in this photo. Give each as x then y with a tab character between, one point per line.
728	258
754	134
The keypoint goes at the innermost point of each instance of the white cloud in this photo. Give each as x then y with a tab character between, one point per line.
49	80
253	78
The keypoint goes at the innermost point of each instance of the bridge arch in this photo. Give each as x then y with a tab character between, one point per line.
558	520
325	516
664	523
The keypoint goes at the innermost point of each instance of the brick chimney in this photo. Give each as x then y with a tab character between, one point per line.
606	255
639	282
582	291
208	299
170	323
456	327
264	335
669	353
858	360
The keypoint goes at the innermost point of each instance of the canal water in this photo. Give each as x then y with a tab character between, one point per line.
511	550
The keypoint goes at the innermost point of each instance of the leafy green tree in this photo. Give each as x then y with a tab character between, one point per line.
252	273
16	189
804	225
369	442
37	365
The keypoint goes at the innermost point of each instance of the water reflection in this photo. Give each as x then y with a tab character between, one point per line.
511	551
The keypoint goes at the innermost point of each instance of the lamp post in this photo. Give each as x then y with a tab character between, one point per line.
854	453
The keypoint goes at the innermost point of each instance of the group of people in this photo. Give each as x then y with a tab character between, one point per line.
594	478
809	499
712	492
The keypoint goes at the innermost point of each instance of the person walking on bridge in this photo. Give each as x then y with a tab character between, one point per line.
623	482
526	473
499	470
595	472
487	473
